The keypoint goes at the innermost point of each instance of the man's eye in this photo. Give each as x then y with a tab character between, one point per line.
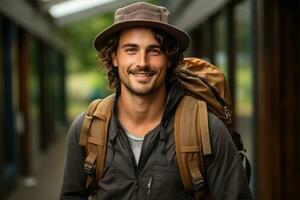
154	51
130	50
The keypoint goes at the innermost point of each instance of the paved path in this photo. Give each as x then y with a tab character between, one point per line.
48	177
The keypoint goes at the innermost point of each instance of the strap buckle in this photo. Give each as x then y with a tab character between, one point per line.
198	184
89	168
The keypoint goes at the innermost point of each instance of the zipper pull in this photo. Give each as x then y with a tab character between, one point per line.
149	186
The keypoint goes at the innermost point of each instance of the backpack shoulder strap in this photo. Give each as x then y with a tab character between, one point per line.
192	142
93	136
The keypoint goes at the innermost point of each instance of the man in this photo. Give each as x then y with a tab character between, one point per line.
141	52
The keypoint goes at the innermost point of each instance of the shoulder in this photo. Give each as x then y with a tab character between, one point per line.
215	122
78	120
221	141
75	128
218	130
225	175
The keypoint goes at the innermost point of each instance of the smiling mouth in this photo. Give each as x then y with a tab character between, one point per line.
143	74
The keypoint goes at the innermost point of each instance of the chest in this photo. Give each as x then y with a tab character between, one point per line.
156	176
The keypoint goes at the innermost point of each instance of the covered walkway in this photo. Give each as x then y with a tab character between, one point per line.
255	42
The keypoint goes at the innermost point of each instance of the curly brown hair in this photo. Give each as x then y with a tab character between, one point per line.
168	45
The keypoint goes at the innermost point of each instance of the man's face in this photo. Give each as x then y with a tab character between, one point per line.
141	63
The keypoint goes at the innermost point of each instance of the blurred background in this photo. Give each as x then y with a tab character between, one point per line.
49	72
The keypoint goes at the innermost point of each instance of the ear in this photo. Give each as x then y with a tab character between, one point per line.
114	59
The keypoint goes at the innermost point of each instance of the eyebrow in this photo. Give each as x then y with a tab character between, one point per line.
154	46
135	45
129	45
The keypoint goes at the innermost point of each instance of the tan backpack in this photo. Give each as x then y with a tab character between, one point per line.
207	84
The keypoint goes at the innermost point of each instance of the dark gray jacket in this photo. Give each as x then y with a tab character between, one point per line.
157	175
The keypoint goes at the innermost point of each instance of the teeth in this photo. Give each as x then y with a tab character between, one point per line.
142	74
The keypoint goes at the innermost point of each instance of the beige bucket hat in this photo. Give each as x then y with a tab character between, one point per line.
142	14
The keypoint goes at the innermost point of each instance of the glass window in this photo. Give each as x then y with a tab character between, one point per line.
244	79
221	59
34	98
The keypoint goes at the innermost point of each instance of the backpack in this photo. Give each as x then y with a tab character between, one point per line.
207	90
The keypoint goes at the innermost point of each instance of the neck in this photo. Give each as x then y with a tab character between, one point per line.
140	114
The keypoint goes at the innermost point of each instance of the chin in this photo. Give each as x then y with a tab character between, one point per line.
142	92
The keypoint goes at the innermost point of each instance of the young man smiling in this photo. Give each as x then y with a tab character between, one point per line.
141	52
142	67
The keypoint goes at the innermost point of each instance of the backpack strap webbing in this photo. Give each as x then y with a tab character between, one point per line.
94	137
192	143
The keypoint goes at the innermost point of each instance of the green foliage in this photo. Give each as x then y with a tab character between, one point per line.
243	24
85	79
244	93
80	36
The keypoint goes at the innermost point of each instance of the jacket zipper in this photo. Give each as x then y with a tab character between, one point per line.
149	186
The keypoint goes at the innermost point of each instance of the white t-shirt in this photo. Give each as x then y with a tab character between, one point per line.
136	145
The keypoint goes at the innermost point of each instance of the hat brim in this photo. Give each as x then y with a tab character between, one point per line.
181	36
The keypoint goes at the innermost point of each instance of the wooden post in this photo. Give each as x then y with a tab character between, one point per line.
1	110
43	117
212	37
25	138
197	44
231	52
278	61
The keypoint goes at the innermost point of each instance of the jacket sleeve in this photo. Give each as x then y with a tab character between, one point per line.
74	179
226	178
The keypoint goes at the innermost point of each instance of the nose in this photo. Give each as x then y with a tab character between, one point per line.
143	60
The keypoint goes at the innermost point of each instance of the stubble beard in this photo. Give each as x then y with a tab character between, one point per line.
146	90
142	92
